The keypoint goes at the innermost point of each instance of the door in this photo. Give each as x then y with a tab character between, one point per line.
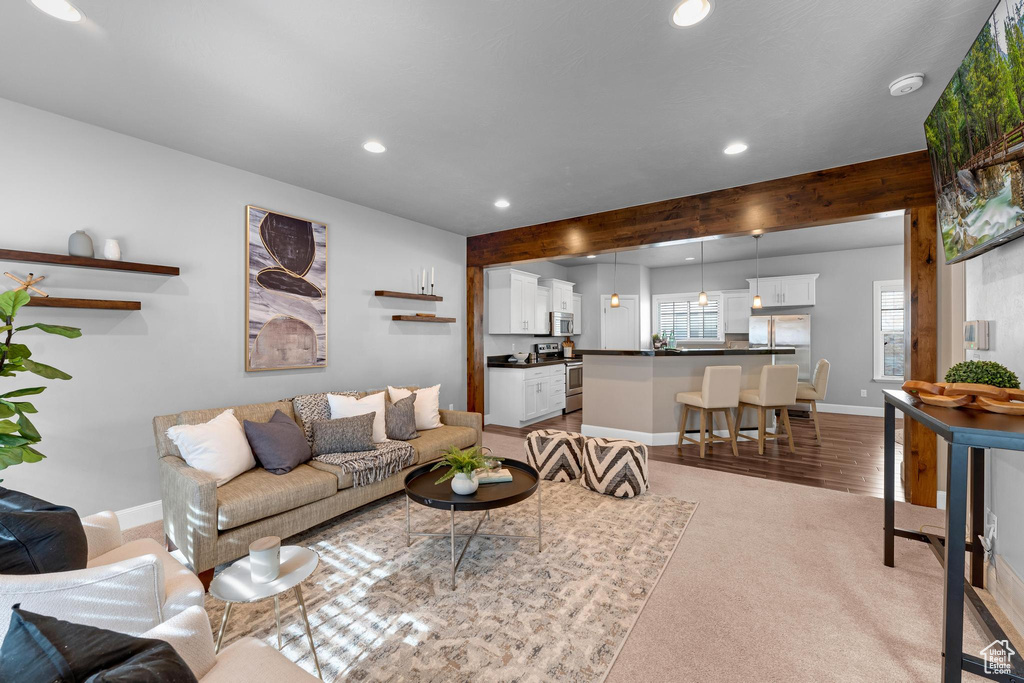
771	293
517	322
529	308
620	327
543	303
563	298
737	312
531	392
795	331
577	314
543	395
760	330
797	291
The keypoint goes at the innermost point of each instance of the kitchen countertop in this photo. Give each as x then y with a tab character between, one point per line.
778	350
503	362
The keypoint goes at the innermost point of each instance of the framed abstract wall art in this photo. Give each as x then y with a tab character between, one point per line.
286	291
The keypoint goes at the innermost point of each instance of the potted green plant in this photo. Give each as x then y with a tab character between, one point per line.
463	464
18	436
983	372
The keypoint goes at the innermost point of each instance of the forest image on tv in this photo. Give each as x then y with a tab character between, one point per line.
975	137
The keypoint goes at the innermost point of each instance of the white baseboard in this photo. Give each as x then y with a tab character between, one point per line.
487	419
867	411
1007	588
146	513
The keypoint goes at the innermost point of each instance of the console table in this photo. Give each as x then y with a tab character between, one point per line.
968	433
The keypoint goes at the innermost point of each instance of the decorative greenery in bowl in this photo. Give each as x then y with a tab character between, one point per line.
19	436
983	372
462	462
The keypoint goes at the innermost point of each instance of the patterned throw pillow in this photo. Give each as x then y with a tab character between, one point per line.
344	435
400	419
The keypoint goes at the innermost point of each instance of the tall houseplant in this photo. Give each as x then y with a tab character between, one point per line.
18	436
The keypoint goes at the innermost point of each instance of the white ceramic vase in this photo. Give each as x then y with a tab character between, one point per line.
464	485
111	250
80	244
265	559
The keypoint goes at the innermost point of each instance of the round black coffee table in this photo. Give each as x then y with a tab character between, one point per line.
420	488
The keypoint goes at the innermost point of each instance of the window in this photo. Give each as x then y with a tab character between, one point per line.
682	315
888	330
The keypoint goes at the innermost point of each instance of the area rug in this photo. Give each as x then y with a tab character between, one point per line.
381	611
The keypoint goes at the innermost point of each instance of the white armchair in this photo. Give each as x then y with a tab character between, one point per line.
246	659
126	587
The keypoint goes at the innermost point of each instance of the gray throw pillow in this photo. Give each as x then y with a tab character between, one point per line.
343	435
400	419
279	445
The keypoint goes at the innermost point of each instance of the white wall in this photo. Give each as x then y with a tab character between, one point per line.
593	281
841	320
995	292
185	348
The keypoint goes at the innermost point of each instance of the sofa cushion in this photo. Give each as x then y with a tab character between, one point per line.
432	443
257	494
181	588
248	659
344	478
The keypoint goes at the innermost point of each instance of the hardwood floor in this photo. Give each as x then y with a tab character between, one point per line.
849	459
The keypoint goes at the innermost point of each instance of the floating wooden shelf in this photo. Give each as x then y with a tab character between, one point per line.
60	302
407	295
83	262
422	319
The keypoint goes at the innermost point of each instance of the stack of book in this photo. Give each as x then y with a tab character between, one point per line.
493	476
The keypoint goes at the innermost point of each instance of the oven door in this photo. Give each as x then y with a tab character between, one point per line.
573	379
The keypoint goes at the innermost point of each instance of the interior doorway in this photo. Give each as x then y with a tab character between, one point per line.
620	326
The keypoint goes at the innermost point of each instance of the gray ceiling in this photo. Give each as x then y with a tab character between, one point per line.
565	107
876	232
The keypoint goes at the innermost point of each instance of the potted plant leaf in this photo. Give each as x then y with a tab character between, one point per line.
18	436
463	464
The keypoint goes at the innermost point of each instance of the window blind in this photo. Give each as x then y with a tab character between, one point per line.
891	302
689	320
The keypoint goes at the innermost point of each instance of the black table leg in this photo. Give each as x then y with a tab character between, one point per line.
890	483
977	516
953	593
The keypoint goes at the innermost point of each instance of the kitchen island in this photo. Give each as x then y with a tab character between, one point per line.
632	394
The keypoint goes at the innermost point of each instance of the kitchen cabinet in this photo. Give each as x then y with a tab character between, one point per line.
789	290
577	314
736	310
561	294
511	301
521	396
543	309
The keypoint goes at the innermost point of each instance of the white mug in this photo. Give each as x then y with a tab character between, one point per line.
111	250
265	559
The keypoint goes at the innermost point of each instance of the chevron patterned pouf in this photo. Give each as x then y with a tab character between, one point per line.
615	467
558	456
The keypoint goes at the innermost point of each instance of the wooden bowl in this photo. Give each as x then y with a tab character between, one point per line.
986	390
914	386
1004	407
945	401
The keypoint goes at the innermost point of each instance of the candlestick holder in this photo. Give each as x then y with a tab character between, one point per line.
423	289
431	289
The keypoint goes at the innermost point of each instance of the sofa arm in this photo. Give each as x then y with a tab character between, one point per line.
190	635
102	532
126	596
462	418
189	499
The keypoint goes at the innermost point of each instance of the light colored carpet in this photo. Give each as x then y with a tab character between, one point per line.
382	611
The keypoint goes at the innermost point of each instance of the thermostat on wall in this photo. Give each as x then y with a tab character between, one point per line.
976	335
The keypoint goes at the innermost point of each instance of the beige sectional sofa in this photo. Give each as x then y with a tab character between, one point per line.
212	525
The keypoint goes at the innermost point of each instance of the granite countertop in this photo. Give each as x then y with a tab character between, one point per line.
503	362
718	351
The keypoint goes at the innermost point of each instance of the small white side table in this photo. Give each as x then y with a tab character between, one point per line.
234	584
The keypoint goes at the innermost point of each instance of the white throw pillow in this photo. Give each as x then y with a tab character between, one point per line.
427	404
217	447
350	406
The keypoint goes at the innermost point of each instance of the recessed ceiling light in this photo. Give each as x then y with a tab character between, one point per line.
735	148
502	204
691	258
374	146
592	256
690	12
59	9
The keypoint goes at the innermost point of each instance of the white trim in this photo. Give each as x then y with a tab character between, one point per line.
867	411
940	501
877	287
147	513
606	300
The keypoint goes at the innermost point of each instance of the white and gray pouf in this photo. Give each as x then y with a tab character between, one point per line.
615	467
557	455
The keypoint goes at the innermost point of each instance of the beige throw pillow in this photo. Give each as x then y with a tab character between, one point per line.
350	406
217	447
428	399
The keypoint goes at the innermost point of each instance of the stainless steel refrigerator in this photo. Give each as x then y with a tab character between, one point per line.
784	330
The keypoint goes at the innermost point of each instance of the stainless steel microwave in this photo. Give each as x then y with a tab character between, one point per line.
561	324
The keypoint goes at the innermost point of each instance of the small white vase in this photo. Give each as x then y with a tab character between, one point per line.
111	250
464	485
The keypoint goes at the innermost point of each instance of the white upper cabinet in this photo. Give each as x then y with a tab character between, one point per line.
511	301
736	305
789	290
561	294
577	313
543	309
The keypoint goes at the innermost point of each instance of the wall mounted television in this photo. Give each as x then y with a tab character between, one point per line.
975	137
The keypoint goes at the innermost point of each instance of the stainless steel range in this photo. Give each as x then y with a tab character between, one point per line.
552	351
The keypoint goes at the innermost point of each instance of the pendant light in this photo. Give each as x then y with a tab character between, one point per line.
702	298
615	270
757	270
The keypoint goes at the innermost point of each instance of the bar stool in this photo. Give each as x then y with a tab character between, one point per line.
720	392
776	391
814	391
